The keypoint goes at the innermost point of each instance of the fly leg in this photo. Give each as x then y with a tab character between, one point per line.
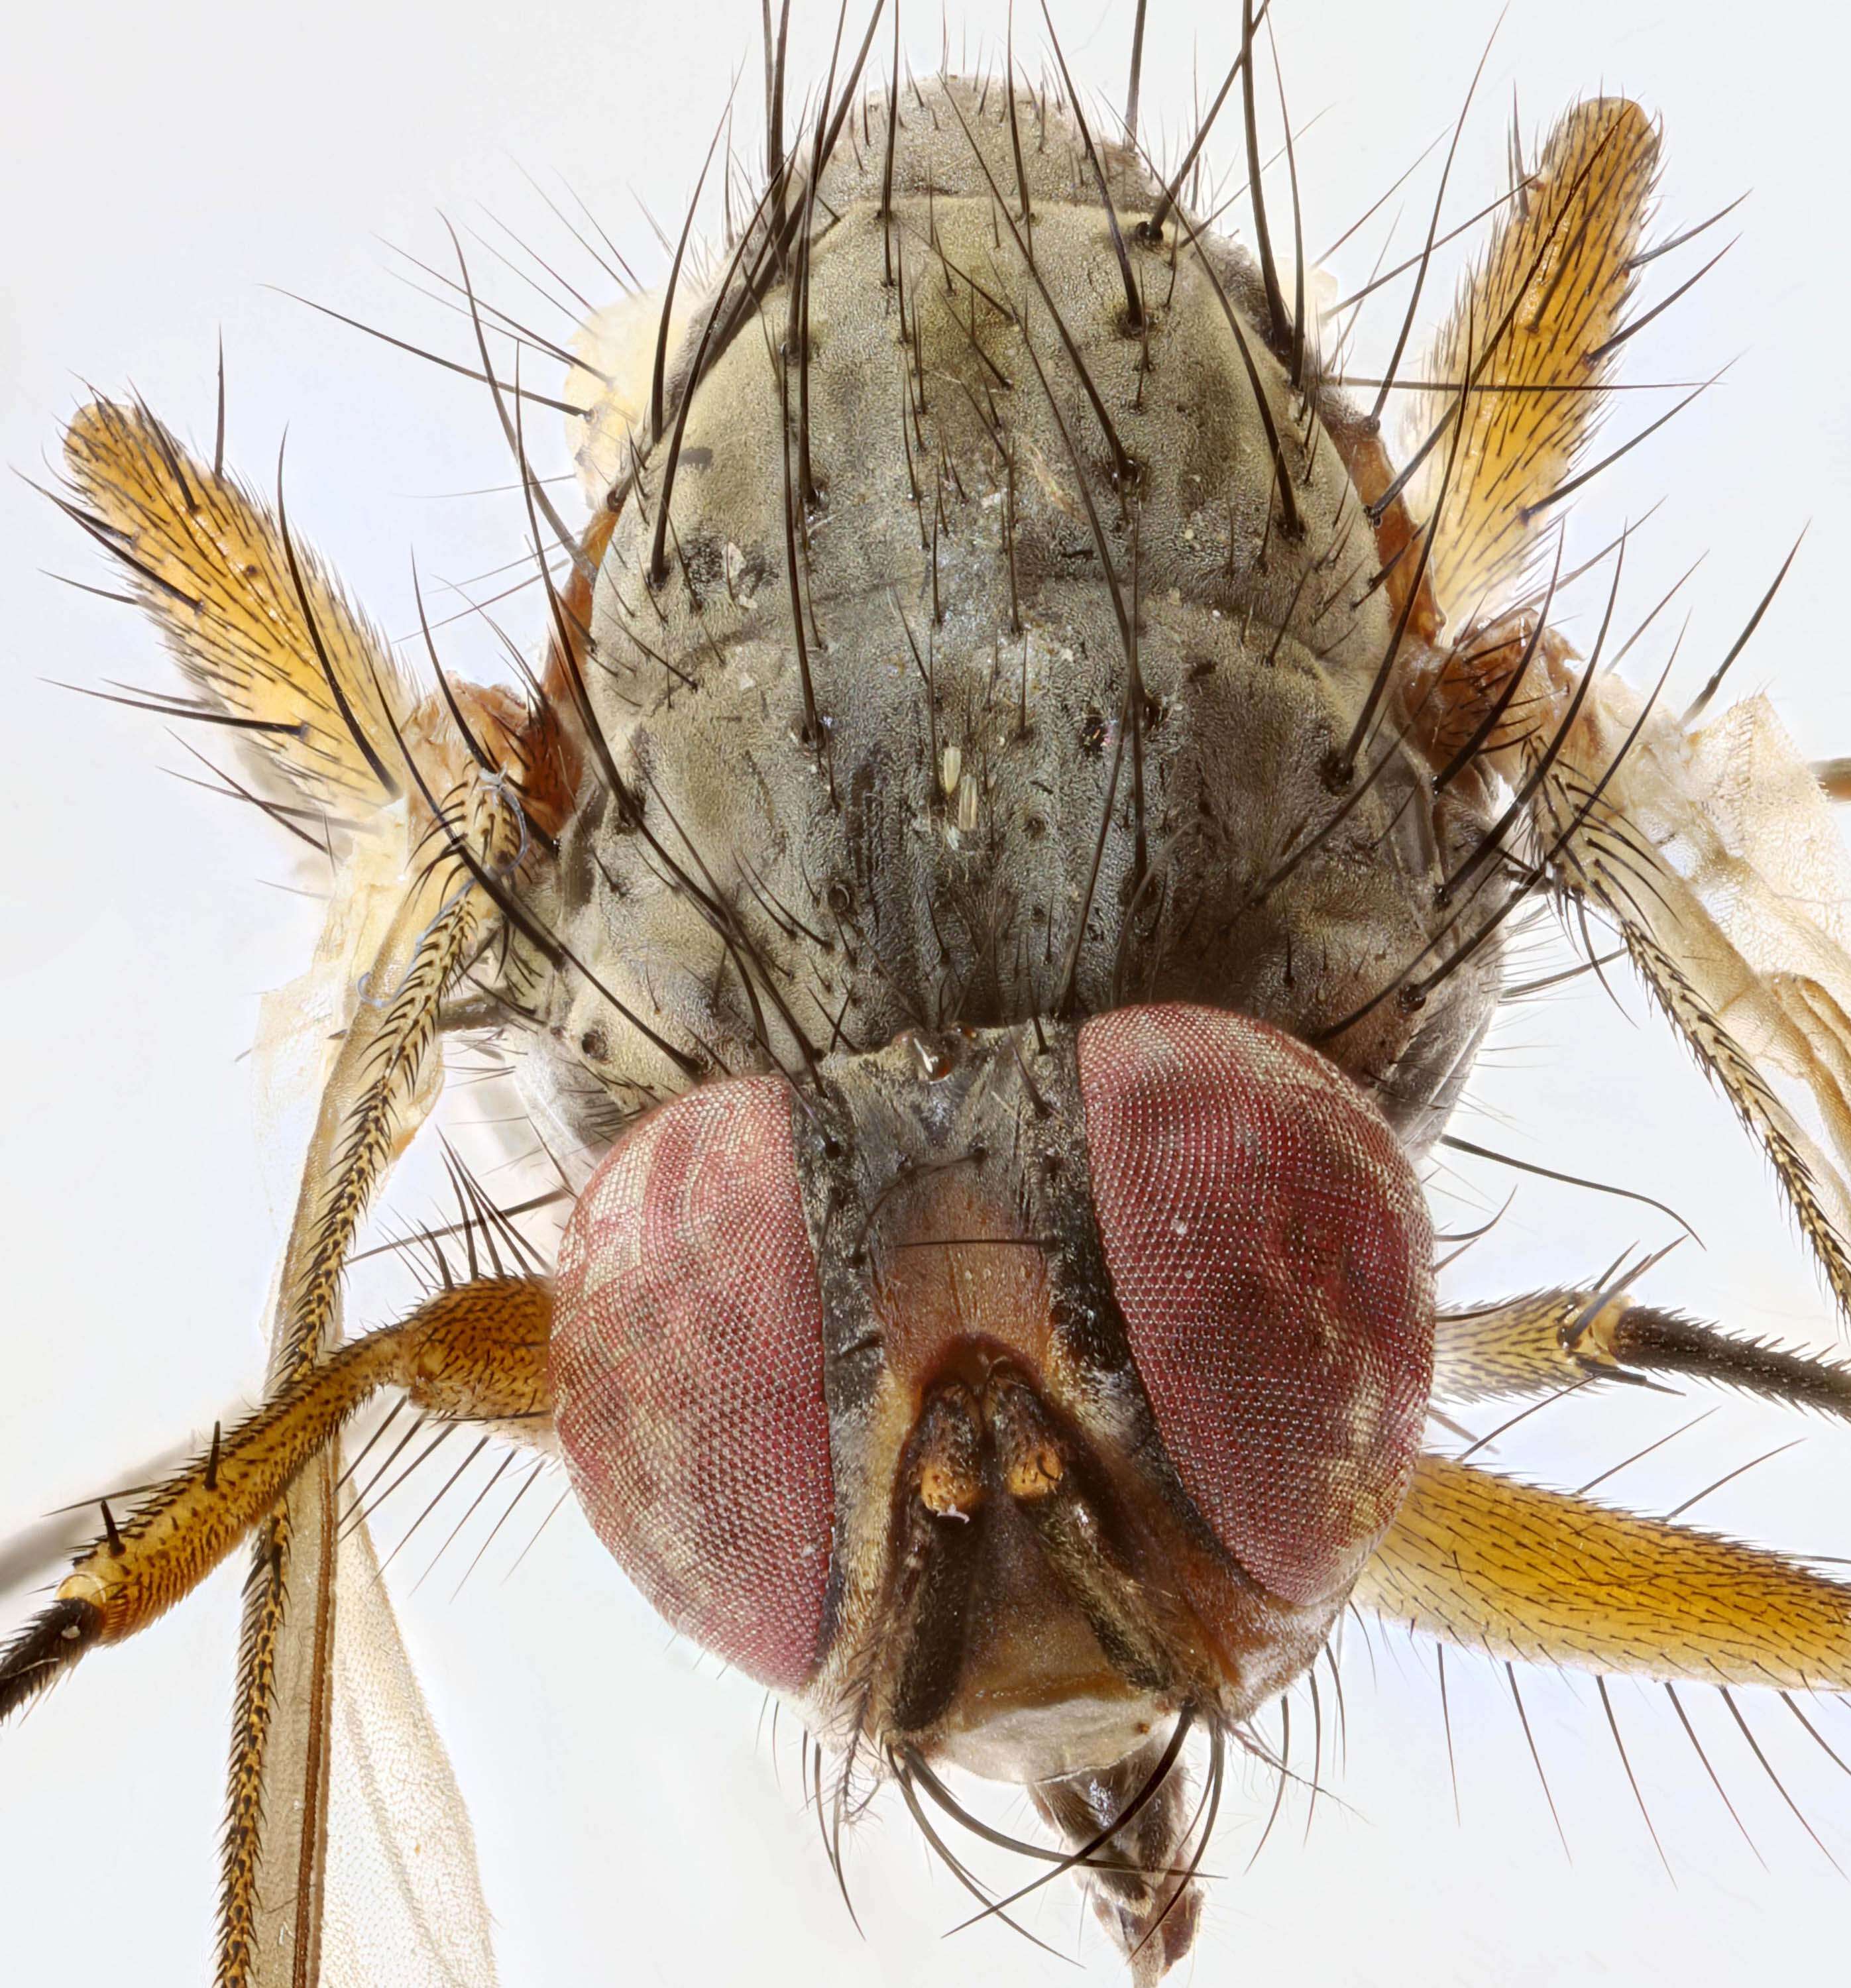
1706	843
1551	1340
1532	340
1521	1573
434	812
1546	1577
477	1352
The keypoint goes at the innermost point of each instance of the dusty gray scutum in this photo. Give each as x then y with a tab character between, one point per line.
926	860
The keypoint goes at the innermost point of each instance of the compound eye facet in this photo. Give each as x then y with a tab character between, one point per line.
688	1376
1270	1249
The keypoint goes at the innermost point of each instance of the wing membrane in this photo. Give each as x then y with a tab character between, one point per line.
1714	854
347	1854
402	1900
383	1085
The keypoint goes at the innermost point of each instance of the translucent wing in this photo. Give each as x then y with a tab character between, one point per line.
359	1864
1711	849
1715	852
402	1901
364	1862
348	1856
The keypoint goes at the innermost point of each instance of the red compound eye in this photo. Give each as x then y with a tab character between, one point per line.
1270	1249
688	1376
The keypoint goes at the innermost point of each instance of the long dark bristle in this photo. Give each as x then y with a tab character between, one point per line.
1454	1143
1217	1771
1493	716
1015	133
774	110
567	539
1282	477
1780	1788
1134	302
813	730
1510	1671
1263	241
1634	325
1690	1731
903	1780
1173	192
658	562
355	731
1086	1857
893	126
1134	84
1291	167
1426	253
1124	469
668	288
1344	769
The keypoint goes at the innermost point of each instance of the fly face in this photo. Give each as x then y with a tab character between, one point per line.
995	1036
1008	1398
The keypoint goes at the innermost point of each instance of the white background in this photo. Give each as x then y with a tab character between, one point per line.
162	166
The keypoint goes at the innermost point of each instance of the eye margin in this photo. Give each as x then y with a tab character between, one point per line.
1225	1156
688	1372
